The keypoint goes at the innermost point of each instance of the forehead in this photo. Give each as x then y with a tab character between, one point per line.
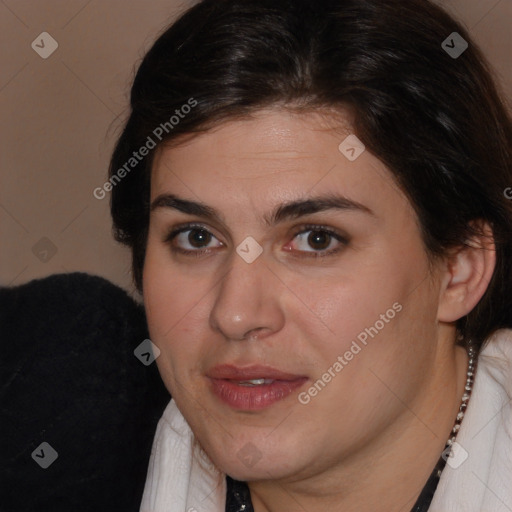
276	134
273	157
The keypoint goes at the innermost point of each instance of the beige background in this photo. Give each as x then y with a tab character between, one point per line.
61	116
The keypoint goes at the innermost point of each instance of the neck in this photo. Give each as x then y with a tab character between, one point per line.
391	471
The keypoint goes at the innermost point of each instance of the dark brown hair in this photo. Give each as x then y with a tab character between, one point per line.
436	120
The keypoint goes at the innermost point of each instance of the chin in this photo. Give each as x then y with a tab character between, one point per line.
239	471
244	461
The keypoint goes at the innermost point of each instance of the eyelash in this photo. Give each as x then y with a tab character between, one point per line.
302	229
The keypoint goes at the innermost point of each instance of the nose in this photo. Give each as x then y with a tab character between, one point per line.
247	301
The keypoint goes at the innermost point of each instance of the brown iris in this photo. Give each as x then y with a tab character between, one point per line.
199	237
319	239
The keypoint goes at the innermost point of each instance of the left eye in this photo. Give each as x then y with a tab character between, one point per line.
320	240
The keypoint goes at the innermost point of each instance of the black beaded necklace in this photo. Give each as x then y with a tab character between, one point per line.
238	496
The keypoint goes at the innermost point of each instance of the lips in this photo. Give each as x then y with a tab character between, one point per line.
231	372
252	387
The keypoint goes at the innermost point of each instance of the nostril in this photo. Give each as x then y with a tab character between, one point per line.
254	334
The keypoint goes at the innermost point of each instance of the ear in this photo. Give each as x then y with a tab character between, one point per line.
467	273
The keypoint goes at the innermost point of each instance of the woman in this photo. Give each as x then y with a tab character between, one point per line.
314	196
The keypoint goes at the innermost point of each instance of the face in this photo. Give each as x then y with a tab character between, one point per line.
275	259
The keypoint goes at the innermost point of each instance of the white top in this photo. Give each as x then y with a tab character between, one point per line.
478	478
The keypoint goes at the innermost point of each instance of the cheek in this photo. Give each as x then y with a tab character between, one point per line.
368	317
349	302
172	304
169	293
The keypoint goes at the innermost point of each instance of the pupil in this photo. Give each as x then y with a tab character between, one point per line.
319	239
201	237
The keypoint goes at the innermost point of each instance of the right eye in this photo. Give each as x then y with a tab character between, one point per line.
191	240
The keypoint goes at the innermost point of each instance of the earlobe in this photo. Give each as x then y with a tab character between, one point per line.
468	272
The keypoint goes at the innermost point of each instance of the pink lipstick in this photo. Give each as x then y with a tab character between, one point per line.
252	387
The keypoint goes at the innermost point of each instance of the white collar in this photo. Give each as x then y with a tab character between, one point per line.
483	482
182	478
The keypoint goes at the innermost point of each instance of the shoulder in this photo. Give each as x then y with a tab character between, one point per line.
60	294
72	318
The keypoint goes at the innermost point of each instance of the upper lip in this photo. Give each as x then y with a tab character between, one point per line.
232	372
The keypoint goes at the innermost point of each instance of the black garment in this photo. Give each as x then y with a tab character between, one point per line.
68	377
238	497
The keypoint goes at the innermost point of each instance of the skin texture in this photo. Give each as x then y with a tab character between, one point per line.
370	438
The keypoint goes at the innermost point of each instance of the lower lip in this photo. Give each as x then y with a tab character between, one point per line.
254	397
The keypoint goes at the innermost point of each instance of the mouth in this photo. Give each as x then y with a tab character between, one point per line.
252	387
254	382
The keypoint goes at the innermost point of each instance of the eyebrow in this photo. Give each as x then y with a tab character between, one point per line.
285	211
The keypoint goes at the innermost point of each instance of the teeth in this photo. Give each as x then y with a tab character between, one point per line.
255	382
